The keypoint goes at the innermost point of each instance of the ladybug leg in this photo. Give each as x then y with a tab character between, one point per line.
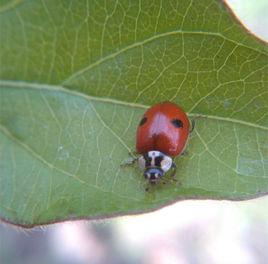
129	161
147	186
167	180
174	169
133	154
150	185
172	179
184	153
192	125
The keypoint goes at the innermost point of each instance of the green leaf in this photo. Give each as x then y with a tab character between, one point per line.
76	78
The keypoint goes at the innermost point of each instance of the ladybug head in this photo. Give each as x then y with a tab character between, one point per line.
153	174
154	164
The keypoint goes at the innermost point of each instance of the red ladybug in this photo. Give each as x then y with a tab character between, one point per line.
161	135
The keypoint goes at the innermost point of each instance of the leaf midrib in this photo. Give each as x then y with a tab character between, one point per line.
58	88
34	154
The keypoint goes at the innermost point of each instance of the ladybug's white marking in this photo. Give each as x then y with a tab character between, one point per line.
166	163
154	164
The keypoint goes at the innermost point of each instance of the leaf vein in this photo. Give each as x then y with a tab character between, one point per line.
148	40
36	155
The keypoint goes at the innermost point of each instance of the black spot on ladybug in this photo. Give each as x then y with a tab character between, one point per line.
177	123
143	121
157	161
148	160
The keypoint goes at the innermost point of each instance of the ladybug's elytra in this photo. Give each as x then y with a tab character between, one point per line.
161	135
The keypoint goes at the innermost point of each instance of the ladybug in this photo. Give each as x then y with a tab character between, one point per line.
161	135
